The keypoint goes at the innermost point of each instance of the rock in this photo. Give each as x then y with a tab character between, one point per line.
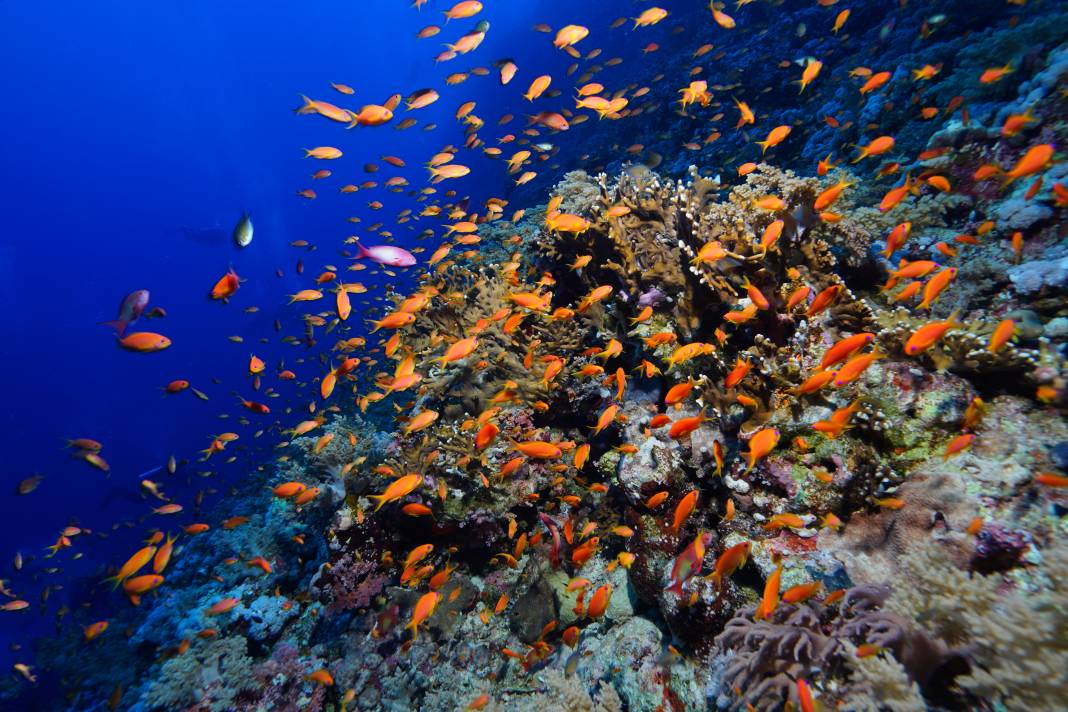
1032	277
565	601
621	605
1028	325
640	680
657	463
1020	214
534	607
1057	328
1059	454
266	616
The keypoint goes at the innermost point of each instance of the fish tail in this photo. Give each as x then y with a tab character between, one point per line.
119	325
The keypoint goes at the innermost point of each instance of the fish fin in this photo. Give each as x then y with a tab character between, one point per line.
118	325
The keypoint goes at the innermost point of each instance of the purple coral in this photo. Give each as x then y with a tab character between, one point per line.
998	548
651	297
282	680
353	584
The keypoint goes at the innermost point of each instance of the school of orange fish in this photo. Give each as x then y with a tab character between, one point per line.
342	380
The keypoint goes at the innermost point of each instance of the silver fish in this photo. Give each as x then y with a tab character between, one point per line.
243	231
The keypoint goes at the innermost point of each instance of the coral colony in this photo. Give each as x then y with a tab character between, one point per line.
734	428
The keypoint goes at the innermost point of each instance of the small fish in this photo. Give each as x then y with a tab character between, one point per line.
243	231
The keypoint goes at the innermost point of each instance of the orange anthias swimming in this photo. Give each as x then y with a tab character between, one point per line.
661	308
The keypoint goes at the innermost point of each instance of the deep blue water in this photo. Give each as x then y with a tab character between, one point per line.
136	134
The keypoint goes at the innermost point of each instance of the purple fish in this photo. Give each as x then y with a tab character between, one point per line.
386	255
129	311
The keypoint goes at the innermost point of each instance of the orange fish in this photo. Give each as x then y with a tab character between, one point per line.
762	443
684	426
877	147
875	81
730	561
994	74
770	600
737	374
144	342
1037	159
599	602
683	510
94	630
226	286
926	336
1004	331
958	444
656	500
776	136
936	285
845	348
424	608
398	489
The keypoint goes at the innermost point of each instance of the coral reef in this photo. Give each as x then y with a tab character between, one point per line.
673	440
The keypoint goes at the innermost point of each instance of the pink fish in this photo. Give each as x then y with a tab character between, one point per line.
129	311
689	562
386	255
554	552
